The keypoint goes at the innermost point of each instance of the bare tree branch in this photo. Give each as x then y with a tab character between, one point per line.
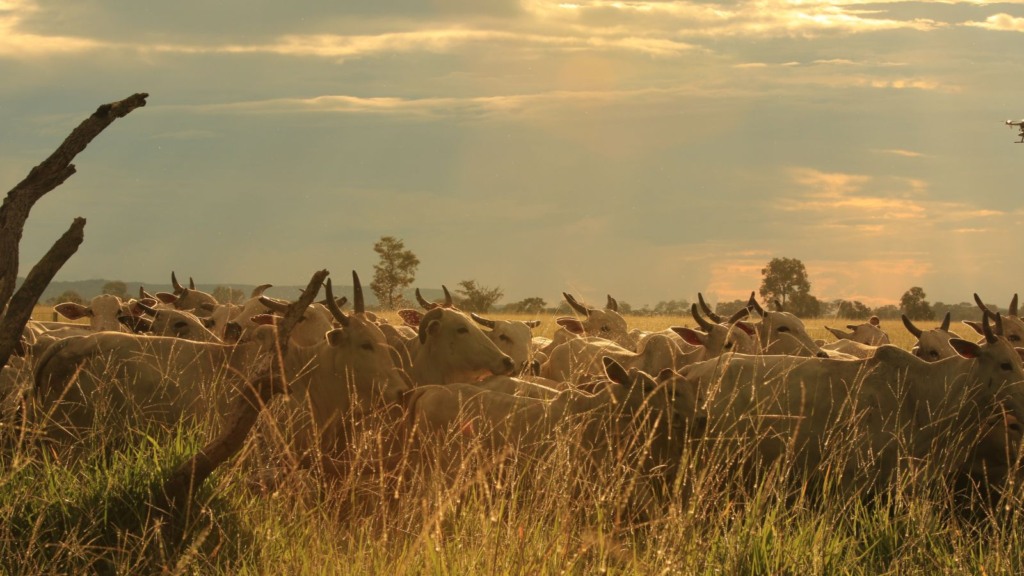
183	483
20	309
51	173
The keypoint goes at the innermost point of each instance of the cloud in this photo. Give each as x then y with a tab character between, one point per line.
765	18
900	152
15	42
1001	22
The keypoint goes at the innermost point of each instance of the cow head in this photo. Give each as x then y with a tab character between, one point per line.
604	323
454	349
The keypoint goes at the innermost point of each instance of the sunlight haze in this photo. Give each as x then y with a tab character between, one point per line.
648	150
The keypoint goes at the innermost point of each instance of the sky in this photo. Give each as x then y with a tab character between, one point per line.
649	150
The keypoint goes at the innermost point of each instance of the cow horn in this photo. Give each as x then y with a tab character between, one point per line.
987	329
1013	307
259	290
945	323
423	301
576	305
142	292
752	303
146	308
981	304
704	324
482	321
358	304
707	309
448	302
181	298
274	304
778	306
998	329
333	306
910	326
612	304
175	284
736	316
191	283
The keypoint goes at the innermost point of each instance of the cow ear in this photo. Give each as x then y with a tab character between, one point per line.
837	332
411	317
571	324
71	310
976	325
264	319
432	327
166	297
965	348
746	327
690	336
615	372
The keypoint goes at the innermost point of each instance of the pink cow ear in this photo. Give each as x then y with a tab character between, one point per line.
264	319
166	297
747	327
689	335
571	324
965	348
71	310
411	317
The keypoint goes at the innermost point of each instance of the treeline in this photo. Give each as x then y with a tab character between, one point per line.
785	284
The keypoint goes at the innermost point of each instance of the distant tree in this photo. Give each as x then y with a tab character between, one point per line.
851	310
783	279
959	312
625	307
395	271
115	288
804	305
228	295
671	308
888	312
914	305
727	309
66	296
473	297
532	305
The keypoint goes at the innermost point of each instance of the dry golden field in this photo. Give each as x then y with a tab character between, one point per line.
95	512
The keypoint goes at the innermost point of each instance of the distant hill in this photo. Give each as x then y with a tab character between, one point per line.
87	289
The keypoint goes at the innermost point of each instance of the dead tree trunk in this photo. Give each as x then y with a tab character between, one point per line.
17	307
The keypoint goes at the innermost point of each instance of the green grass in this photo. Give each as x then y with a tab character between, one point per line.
93	511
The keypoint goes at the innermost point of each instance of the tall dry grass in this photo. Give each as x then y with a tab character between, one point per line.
549	514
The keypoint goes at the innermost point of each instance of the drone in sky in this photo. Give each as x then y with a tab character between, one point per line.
1020	125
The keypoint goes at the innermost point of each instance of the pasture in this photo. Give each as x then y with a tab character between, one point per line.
93	511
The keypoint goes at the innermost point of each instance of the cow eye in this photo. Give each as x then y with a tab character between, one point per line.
728	345
463	330
1006	366
783	328
367	346
504	338
933	354
180	324
605	329
1014	337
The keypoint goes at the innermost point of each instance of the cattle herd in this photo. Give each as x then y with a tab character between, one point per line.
461	390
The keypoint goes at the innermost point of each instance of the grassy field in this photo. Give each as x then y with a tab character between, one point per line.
93	512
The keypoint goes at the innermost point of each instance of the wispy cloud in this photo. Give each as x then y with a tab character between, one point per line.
16	42
1001	22
900	152
763	18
